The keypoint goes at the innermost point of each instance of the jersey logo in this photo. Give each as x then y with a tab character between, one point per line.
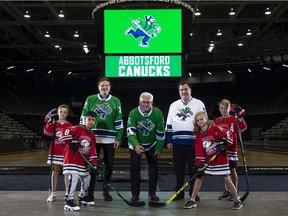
145	29
103	110
85	146
184	113
145	126
209	147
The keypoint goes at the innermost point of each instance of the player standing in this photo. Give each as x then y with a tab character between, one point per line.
55	157
231	123
79	138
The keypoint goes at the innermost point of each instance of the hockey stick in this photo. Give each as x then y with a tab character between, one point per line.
161	204
244	163
100	174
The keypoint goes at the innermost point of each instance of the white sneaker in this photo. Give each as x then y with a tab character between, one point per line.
70	206
52	197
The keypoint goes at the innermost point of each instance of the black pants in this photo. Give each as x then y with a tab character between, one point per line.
182	155
135	161
108	156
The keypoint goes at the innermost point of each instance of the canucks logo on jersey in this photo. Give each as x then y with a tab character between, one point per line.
145	126
145	29
184	113
103	110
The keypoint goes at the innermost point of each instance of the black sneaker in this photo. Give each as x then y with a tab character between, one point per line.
70	206
86	201
225	195
107	196
237	205
154	198
134	198
190	204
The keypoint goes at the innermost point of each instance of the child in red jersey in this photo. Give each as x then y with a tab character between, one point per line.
209	140
79	138
55	157
231	123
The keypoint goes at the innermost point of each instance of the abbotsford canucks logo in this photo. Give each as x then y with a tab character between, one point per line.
103	110
145	126
184	113
144	29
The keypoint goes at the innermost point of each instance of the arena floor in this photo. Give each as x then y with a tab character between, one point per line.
33	202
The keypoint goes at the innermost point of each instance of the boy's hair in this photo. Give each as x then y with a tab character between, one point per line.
225	102
91	114
196	127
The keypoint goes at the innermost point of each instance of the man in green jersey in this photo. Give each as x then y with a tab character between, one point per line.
108	130
145	131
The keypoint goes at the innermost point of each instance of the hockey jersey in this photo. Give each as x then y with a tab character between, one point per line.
146	129
74	163
230	123
109	123
179	124
205	147
57	146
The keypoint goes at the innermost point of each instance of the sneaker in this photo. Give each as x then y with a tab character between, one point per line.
237	205
225	195
154	198
52	197
190	204
134	198
86	201
70	206
107	196
230	198
180	196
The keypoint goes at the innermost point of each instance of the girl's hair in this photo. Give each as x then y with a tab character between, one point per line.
225	102
196	127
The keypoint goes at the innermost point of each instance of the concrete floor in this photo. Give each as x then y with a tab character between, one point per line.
33	203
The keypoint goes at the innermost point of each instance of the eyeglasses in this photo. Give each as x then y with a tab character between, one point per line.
146	102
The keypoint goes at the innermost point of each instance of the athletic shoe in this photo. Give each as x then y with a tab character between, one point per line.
237	205
52	197
225	195
134	198
86	201
190	204
154	198
70	206
107	196
230	198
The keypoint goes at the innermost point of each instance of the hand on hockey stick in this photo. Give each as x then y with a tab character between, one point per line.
51	116
221	146
74	144
95	170
200	170
237	111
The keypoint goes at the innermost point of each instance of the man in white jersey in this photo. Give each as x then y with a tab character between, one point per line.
180	136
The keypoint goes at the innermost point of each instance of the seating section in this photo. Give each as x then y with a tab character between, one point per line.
277	132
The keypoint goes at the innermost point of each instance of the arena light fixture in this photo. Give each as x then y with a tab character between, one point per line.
248	32
284	65
85	48
219	33
70	72
266	68
268	11
240	44
229	71
76	35
10	67
197	13
209	73
31	69
50	71
190	74
249	70
232	12
27	15
61	14
47	35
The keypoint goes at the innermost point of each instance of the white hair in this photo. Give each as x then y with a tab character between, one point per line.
147	94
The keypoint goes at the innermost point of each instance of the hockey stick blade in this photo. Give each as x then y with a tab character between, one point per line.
133	204
162	204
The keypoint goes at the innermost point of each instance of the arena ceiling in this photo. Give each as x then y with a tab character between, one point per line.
23	44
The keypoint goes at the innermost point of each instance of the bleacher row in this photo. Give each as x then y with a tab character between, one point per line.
22	110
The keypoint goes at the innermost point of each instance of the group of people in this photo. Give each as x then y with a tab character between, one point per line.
192	138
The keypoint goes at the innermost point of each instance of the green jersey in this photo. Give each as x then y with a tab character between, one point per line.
109	123
146	129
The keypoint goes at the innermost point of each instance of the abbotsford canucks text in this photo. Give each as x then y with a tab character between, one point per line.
144	66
